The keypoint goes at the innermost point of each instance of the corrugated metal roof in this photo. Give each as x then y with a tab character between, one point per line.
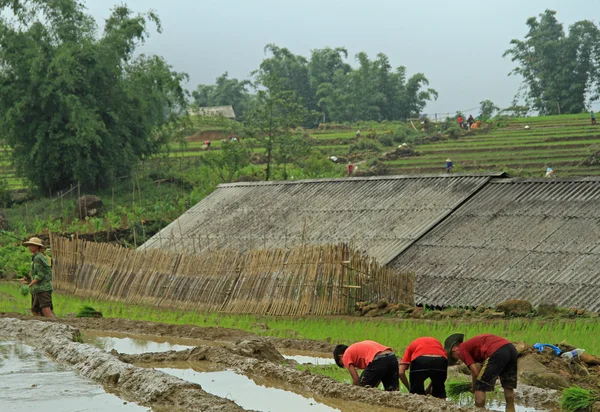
382	215
530	239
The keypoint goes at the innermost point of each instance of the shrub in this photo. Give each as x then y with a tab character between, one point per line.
386	140
364	145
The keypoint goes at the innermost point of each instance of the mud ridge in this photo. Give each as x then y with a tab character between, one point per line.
145	386
254	357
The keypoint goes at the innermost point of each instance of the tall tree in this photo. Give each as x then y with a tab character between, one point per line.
560	71
273	121
284	71
74	107
225	91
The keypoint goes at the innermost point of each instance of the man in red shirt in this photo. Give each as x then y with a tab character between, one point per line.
378	362
426	358
498	358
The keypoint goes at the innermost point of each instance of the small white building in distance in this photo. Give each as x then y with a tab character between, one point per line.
216	111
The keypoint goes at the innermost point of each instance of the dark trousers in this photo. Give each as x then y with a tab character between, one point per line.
384	369
429	367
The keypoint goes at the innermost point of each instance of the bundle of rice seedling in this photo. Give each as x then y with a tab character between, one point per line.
576	399
25	290
456	388
88	312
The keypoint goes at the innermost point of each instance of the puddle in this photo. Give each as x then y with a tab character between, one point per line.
30	381
259	394
243	391
495	402
135	345
306	359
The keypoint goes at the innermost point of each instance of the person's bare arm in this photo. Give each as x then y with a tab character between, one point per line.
402	371
474	373
353	374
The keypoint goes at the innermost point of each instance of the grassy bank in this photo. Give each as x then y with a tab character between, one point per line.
583	333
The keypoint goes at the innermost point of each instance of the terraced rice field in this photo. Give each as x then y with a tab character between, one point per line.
562	142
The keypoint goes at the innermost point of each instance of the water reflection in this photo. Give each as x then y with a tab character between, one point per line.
244	392
30	381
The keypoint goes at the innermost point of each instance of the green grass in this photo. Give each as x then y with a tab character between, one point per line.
584	333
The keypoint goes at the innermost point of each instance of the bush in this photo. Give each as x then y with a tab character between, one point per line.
15	261
450	128
406	134
316	165
364	145
386	140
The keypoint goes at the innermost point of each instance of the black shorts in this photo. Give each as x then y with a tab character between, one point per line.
384	369
503	364
429	367
41	300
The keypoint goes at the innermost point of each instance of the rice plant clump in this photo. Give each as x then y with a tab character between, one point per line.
88	312
25	290
456	388
577	399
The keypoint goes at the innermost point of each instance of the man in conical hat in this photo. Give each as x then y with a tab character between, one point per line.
39	280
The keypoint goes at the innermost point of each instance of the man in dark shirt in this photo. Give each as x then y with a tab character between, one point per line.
498	358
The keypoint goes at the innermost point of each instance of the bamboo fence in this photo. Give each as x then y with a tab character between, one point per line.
316	280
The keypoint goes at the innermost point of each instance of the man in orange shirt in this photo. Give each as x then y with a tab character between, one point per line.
378	362
426	358
498	358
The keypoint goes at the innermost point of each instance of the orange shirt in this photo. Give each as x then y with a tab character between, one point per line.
360	354
423	346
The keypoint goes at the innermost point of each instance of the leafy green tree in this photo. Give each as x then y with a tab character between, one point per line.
560	71
274	121
487	109
75	106
228	162
225	91
283	71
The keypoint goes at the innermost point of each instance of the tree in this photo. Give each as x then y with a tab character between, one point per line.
487	109
561	72
75	107
283	71
229	161
225	91
273	121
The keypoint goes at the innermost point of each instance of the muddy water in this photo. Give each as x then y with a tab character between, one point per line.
496	402
30	381
136	344
262	396
306	357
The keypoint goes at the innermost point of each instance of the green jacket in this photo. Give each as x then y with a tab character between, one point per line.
41	270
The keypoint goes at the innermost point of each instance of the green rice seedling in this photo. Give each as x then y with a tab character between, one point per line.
576	399
454	389
88	312
25	290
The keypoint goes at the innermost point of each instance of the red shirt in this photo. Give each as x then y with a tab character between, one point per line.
460	119
423	346
480	348
362	353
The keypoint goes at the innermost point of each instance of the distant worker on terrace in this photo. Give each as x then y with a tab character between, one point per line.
358	133
426	359
593	117
498	358
378	363
449	165
460	121
549	172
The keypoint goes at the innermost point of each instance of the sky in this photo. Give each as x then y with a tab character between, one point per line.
457	45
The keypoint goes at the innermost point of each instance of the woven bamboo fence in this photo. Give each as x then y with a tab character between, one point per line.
317	280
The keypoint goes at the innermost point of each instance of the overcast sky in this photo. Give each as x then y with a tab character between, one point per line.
457	45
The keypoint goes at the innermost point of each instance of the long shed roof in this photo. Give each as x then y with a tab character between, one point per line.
383	214
535	239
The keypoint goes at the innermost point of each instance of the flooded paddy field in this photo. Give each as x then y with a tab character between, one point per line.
158	368
29	380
